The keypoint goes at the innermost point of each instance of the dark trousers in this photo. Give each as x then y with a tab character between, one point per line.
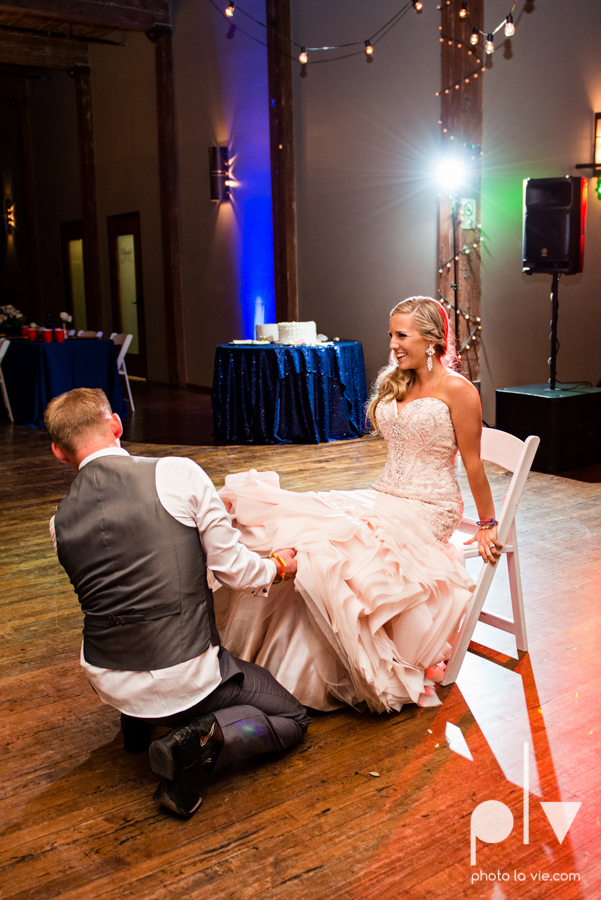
256	714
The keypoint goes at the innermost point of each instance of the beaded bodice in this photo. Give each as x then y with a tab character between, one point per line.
420	465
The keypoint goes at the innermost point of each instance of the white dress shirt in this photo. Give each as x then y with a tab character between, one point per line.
188	494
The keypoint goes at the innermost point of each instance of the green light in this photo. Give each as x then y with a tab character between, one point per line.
598	188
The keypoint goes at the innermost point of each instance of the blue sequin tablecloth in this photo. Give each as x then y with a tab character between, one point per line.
35	373
282	394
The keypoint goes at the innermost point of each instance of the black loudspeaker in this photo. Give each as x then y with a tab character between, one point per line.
553	225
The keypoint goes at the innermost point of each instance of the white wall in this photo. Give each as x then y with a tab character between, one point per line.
538	118
127	173
366	139
227	249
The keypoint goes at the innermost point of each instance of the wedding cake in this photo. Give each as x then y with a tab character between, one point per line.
297	332
266	332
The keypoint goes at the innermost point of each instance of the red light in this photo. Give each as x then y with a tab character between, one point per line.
583	204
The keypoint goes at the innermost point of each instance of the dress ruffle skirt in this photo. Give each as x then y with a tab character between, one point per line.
373	605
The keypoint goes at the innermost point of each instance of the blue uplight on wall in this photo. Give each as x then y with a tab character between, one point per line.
242	59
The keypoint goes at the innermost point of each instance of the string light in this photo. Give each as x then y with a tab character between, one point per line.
466	249
304	51
469	317
507	24
476	149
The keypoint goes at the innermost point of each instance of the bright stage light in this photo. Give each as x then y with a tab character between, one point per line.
450	173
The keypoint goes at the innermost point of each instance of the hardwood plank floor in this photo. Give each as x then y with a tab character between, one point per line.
76	815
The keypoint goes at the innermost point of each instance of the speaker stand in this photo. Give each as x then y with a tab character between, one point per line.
553	335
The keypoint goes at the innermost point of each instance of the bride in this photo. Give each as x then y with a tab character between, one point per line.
379	590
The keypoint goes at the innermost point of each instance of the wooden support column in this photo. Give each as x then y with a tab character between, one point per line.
29	188
16	90
461	117
160	35
281	130
91	245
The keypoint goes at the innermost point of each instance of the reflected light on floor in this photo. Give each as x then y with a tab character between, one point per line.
504	722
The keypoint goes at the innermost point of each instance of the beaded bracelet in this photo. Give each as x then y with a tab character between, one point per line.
485	524
283	565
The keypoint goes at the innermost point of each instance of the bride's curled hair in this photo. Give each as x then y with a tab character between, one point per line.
432	323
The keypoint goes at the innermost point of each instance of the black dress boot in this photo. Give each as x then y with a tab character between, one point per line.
175	756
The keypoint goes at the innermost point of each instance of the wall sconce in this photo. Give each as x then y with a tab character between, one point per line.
595	165
9	215
219	170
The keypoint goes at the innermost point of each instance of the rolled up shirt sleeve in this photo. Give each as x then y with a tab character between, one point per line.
187	493
52	533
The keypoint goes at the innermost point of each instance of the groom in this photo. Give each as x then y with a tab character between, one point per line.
136	536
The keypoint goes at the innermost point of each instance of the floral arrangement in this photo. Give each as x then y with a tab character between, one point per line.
66	318
11	319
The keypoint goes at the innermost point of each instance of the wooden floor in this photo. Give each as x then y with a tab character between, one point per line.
77	819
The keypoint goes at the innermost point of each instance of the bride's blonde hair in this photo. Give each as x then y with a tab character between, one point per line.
432	323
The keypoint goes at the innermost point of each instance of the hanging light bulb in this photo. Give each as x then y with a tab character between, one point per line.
418	5
463	11
489	46
368	49
509	26
230	10
303	58
474	37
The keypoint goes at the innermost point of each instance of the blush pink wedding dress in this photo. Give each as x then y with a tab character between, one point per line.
379	589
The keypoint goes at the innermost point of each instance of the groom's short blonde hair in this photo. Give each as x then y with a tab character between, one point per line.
74	415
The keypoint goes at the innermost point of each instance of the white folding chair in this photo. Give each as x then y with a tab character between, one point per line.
516	456
123	341
4	345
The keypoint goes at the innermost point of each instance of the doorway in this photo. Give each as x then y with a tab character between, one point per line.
125	261
75	291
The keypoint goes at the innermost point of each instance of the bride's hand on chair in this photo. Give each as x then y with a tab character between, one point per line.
489	547
288	571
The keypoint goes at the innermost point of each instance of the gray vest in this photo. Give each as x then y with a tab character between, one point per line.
139	574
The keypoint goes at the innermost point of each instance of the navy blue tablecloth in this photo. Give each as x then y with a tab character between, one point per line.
283	394
35	373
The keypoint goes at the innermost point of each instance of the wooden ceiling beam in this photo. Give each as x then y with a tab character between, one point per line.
131	15
47	53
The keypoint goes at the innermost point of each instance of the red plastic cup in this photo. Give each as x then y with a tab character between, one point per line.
59	334
24	330
47	332
32	333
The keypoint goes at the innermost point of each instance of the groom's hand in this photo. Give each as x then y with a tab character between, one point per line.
288	556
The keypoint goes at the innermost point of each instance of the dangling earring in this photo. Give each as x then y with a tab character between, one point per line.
430	351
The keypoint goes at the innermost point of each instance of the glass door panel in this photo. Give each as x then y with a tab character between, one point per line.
76	279
128	297
125	261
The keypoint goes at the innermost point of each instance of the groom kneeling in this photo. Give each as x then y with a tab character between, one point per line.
135	536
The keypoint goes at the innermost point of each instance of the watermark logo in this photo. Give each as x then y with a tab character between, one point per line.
492	821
